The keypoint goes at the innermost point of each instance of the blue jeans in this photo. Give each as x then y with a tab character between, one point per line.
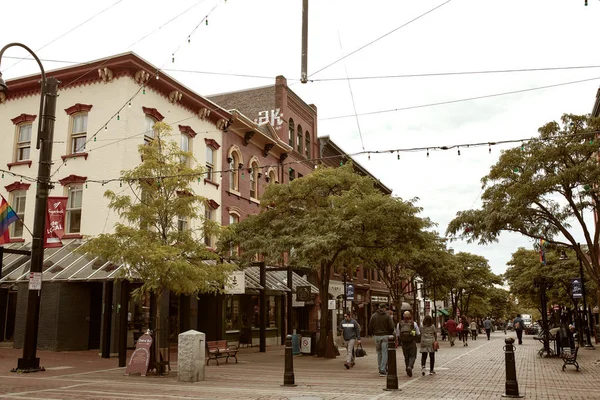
381	345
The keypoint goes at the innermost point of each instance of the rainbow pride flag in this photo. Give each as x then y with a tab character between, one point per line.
7	216
543	251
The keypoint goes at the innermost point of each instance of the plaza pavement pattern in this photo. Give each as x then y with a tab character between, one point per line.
473	372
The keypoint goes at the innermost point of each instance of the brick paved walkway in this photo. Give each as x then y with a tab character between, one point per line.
473	372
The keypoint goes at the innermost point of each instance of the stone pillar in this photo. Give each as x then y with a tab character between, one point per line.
190	356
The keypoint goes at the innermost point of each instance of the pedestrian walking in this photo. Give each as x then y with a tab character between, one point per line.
351	333
463	324
473	329
487	325
407	331
382	326
428	338
518	325
451	328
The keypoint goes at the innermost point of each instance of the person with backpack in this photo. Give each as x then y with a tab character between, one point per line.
518	325
351	333
407	331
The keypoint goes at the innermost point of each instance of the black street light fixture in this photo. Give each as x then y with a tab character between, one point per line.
45	138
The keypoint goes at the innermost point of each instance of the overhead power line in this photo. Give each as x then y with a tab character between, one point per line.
380	37
460	100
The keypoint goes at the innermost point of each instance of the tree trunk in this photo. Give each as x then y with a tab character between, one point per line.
157	335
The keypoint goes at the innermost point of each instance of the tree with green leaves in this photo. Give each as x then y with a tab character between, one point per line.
542	189
525	265
315	223
475	278
155	250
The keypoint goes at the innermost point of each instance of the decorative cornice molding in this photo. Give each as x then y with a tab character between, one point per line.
175	96
213	204
212	143
2	98
78	108
75	155
267	149
16	163
23	118
247	136
203	113
141	77
17	186
105	74
72	179
283	156
187	130
153	112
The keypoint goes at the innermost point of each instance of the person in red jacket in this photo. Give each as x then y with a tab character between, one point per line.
450	326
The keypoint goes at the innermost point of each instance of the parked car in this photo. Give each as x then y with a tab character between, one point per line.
509	326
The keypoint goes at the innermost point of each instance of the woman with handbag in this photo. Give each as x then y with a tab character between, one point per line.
429	344
464	322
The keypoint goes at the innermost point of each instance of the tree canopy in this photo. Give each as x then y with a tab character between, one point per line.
542	189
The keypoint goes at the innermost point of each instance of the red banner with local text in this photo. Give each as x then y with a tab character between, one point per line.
56	210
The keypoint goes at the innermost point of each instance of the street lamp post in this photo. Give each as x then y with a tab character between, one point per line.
587	327
49	93
542	284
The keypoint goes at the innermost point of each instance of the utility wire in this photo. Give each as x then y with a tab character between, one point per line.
587	135
362	143
498	71
380	37
69	31
462	100
421	75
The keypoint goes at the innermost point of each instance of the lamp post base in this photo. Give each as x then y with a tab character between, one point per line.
28	365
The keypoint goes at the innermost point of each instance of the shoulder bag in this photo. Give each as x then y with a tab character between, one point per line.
360	352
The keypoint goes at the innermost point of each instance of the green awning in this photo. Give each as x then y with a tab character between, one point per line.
442	311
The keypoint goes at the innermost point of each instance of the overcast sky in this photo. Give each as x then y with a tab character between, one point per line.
262	38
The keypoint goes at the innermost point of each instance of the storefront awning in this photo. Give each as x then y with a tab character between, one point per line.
442	311
297	280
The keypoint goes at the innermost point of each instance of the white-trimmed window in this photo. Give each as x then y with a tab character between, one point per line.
208	216
291	132
307	147
18	199
182	223
73	220
272	177
184	144
23	152
210	162
234	171
150	133
233	250
299	139
254	180
78	134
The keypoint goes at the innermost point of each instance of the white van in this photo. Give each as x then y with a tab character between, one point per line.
527	320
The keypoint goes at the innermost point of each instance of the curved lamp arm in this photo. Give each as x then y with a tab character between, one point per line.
43	89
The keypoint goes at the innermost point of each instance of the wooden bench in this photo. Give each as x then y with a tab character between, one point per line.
220	349
570	358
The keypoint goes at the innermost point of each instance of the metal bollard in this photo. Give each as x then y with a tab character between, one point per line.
288	375
512	386
391	381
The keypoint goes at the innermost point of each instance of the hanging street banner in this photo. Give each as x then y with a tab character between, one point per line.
56	210
427	307
350	291
236	284
576	287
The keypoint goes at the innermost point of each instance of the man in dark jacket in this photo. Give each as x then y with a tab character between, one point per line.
381	326
351	333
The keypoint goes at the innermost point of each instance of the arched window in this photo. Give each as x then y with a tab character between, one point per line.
254	180
291	132
234	171
307	147
272	177
299	141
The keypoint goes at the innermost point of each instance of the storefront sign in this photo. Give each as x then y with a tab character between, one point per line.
236	284
379	299
35	281
349	291
331	304
55	221
427	307
576	287
297	303
303	293
140	358
336	288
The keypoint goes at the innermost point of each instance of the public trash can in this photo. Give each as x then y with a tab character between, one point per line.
309	342
296	339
